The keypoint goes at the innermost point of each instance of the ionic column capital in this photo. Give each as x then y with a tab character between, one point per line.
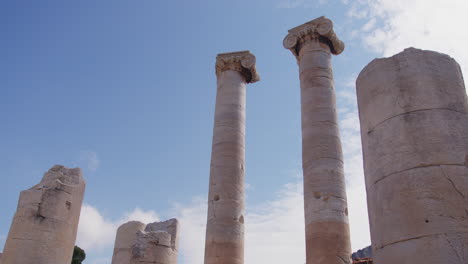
241	61
317	30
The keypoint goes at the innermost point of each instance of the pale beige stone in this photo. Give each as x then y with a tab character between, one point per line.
46	221
225	225
157	242
414	126
325	203
124	241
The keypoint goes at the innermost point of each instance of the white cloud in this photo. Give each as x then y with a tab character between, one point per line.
94	231
97	233
369	25
352	152
275	229
425	24
192	219
272	229
89	160
140	215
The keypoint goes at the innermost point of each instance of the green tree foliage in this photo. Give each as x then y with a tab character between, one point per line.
78	255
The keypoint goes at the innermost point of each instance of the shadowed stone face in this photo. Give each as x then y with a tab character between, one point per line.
153	243
225	224
414	127
46	221
325	204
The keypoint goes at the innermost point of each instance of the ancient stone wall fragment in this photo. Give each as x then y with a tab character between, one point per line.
413	112
157	242
45	224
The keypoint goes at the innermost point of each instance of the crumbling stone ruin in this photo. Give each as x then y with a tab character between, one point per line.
225	223
325	202
363	256
413	111
46	220
157	243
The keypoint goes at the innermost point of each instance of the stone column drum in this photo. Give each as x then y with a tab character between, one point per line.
325	203
414	127
137	243
225	224
46	220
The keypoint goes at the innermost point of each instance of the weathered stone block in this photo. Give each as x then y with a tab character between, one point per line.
157	242
414	127
46	221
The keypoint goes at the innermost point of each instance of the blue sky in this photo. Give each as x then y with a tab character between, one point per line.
126	91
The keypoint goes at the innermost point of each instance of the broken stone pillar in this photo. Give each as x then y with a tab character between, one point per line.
153	243
414	127
225	225
325	203
124	241
46	220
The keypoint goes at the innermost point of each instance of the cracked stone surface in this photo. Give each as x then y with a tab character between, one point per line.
413	112
156	242
225	223
44	227
325	202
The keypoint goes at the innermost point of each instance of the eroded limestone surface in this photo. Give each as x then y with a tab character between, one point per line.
225	224
414	127
44	227
156	243
325	202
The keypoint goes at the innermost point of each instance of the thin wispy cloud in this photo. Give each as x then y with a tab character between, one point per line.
274	228
96	233
89	160
393	25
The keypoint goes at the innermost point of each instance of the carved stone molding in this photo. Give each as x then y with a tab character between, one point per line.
319	29
241	61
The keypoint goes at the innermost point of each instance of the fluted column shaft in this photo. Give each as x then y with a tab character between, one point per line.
225	223
325	204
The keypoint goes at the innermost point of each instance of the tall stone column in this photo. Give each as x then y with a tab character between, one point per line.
46	220
137	243
326	210
225	225
414	127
